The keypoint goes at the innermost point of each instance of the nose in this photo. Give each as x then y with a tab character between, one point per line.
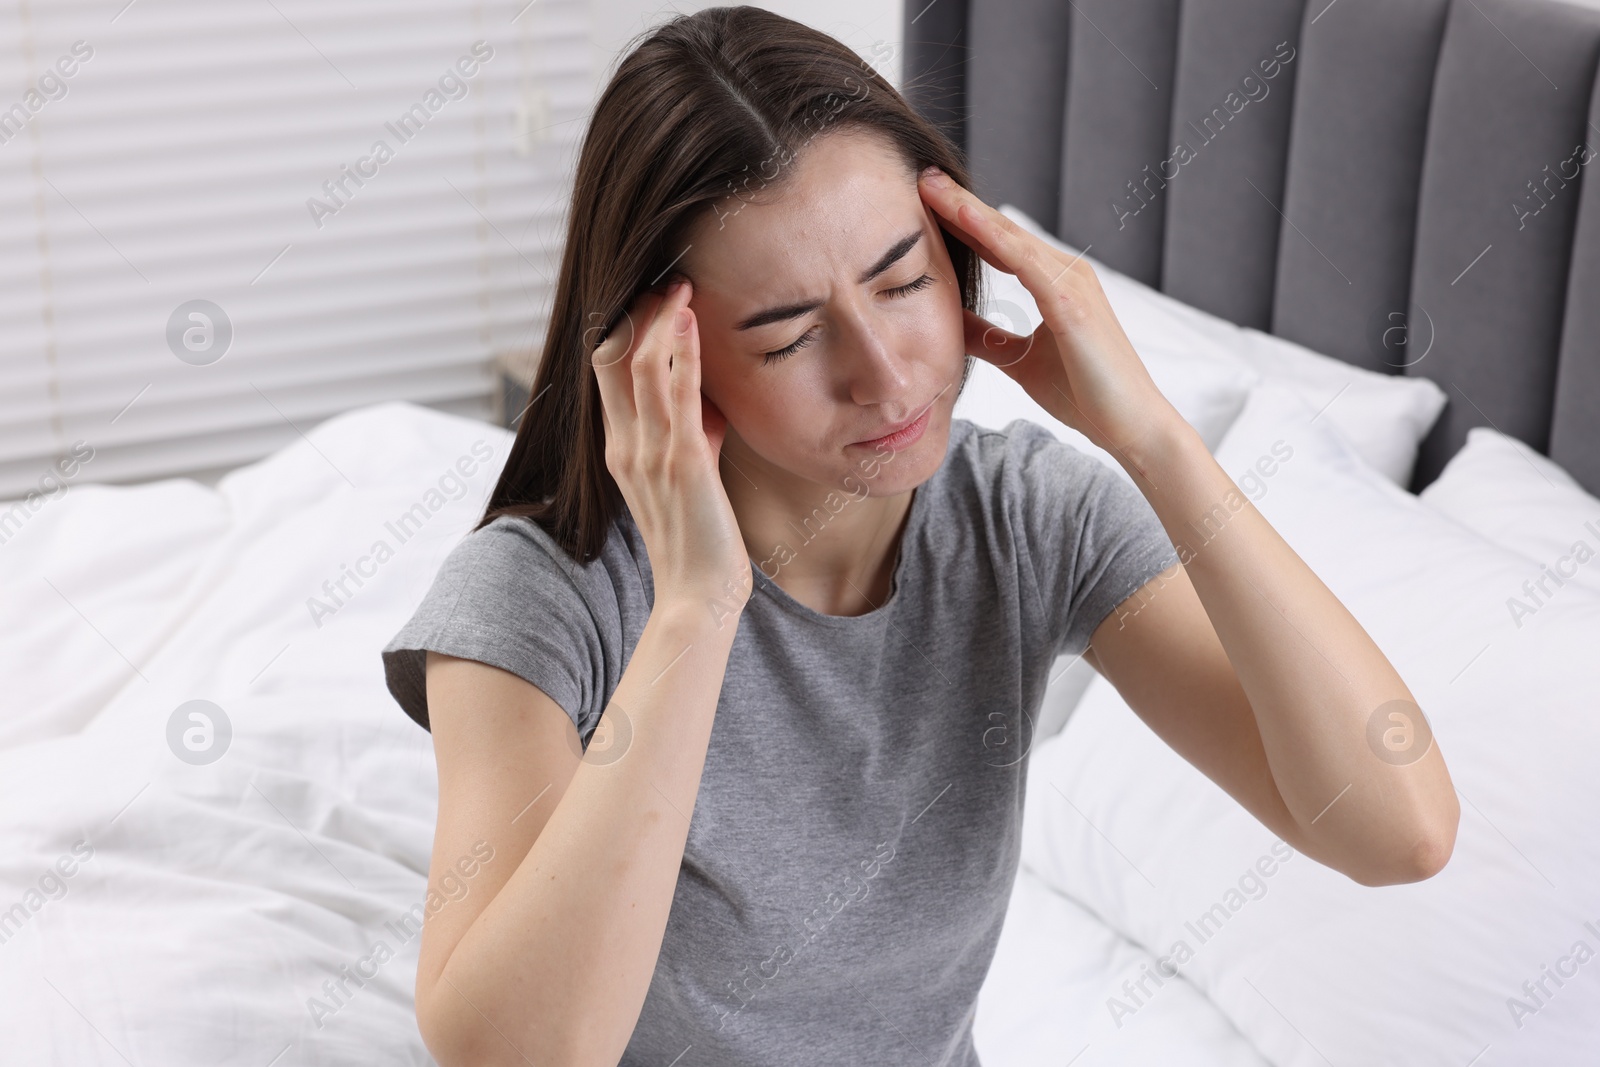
877	373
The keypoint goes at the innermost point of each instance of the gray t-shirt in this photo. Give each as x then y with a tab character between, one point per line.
856	835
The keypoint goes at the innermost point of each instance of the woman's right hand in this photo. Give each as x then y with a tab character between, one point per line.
663	442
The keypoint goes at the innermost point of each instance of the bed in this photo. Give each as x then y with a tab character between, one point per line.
217	823
192	910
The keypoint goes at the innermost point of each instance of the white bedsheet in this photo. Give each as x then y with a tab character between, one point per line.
207	905
1046	1000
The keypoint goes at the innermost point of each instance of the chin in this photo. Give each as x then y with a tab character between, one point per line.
890	473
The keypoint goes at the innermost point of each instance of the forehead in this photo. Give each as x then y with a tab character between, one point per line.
846	197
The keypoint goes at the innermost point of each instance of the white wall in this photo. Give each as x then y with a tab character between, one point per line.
858	23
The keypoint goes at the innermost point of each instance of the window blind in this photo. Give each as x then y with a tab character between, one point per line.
223	223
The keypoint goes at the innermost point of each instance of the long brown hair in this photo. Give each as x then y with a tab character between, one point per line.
704	109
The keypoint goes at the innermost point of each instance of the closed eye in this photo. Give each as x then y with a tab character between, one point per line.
805	339
911	287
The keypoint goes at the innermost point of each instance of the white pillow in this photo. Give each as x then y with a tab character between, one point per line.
1384	417
1503	490
1312	967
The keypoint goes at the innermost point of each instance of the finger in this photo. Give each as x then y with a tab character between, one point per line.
943	215
612	358
623	335
650	366
1000	241
609	360
685	376
933	265
947	197
1065	292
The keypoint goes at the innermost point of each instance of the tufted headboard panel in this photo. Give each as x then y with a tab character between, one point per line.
1401	184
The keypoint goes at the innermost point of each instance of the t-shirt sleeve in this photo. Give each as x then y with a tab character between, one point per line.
1094	540
507	596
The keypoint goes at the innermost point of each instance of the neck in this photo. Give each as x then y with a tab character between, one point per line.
828	546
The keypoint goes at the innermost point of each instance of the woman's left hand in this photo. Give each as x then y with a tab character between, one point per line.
1079	364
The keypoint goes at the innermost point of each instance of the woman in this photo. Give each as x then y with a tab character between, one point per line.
816	611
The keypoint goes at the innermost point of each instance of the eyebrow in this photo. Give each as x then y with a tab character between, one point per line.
896	252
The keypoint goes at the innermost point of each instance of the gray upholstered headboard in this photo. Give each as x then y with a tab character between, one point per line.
1402	184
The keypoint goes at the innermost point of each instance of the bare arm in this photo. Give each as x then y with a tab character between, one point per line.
1300	716
549	955
552	962
1251	668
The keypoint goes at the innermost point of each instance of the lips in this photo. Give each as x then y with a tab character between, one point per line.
892	429
903	434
